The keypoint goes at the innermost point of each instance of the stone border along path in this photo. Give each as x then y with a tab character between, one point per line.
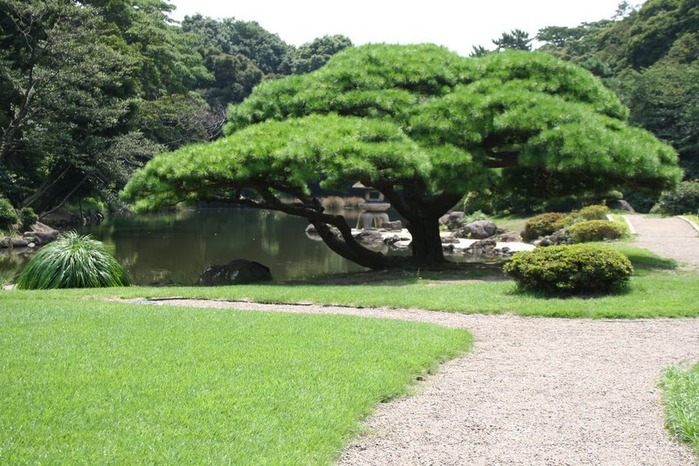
533	391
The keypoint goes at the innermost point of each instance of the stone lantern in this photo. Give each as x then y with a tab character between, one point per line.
373	211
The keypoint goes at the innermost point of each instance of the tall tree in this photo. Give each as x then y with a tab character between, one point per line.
64	114
514	40
312	55
423	126
266	50
74	78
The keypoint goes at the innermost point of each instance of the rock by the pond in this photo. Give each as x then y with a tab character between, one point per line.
41	234
237	272
20	243
484	246
369	237
452	220
480	229
396	225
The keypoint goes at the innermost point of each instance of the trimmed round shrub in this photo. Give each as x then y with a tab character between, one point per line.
597	230
593	212
683	200
72	261
542	225
578	268
8	215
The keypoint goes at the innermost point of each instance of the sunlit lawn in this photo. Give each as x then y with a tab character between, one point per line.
89	381
111	383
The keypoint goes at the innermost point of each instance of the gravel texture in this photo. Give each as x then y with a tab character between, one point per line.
671	237
535	391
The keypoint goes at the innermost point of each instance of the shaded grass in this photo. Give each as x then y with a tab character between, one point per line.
100	382
643	260
681	397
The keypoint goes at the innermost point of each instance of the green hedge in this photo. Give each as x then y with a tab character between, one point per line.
578	268
543	225
597	230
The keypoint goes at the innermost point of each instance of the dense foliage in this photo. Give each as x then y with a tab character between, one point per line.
8	216
572	269
684	200
423	126
72	261
650	57
90	90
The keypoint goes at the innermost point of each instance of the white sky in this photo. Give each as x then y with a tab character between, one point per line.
459	25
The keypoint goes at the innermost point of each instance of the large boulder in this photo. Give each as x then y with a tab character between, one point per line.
41	234
452	220
237	272
480	229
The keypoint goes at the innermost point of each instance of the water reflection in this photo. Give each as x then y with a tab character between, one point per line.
176	248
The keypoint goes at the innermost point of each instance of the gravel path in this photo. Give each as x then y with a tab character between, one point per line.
536	391
672	237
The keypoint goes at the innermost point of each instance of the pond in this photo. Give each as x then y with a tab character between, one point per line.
175	248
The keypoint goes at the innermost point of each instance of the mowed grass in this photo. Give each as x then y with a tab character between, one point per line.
657	294
681	395
91	382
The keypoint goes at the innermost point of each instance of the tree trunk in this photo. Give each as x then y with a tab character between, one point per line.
427	242
422	211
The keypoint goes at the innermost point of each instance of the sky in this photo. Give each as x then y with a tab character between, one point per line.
456	24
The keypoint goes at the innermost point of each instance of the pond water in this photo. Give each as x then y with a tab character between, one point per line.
175	248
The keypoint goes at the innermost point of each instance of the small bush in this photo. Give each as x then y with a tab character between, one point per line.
8	215
580	268
597	230
683	200
593	212
27	218
542	225
72	261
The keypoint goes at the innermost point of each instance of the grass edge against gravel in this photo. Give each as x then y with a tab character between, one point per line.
681	399
142	384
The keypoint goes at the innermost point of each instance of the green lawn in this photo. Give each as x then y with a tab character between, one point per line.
85	380
681	393
658	294
88	382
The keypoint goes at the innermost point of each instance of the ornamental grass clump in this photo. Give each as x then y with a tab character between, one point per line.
573	269
72	261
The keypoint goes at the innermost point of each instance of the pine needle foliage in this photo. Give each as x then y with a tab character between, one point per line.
72	261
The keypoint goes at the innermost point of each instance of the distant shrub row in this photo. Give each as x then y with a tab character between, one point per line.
587	224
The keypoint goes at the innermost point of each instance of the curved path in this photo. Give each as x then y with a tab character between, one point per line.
534	391
670	237
537	391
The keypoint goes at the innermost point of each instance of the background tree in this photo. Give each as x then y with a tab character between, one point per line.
649	56
423	126
312	55
513	40
266	50
78	81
